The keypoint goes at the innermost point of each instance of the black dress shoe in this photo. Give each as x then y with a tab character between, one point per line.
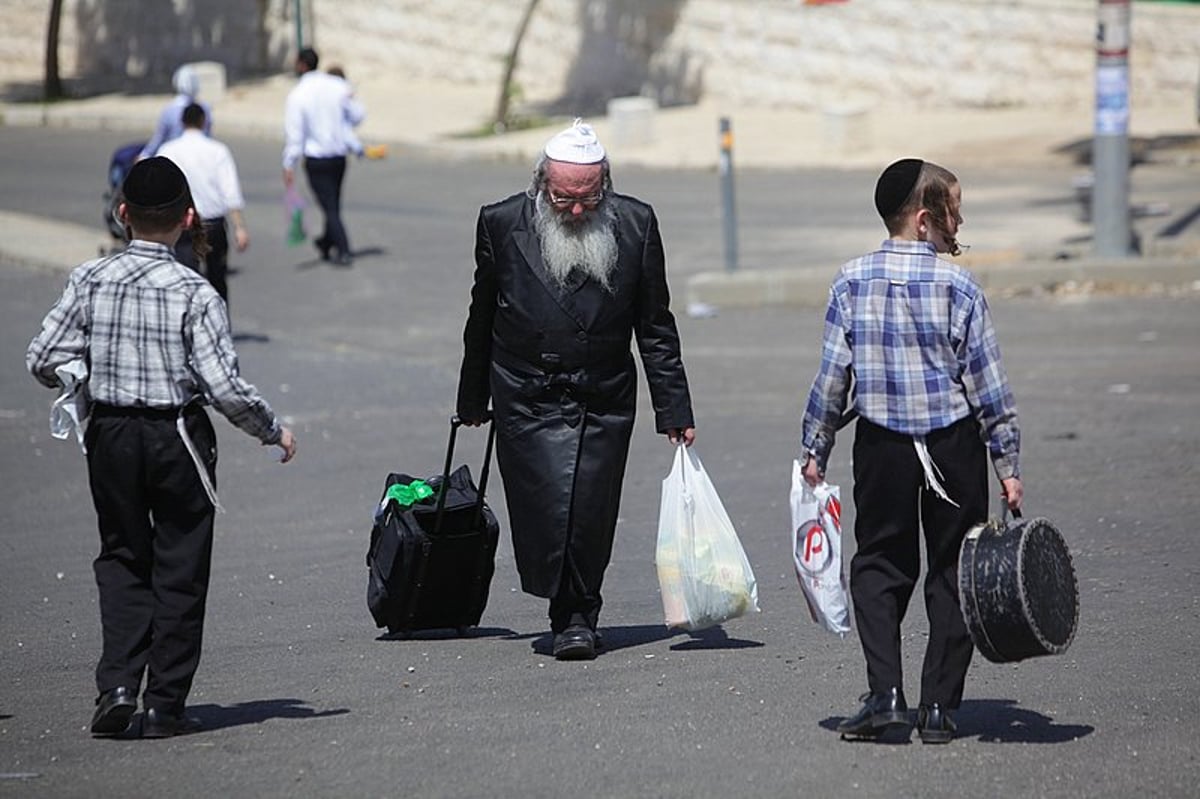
323	247
343	259
934	724
114	708
161	724
879	711
577	642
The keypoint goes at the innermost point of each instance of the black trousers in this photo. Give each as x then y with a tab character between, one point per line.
325	177
215	265
156	535
892	504
576	602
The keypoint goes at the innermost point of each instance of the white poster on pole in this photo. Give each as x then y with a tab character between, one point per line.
1112	100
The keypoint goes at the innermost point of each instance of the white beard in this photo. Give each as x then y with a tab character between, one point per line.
589	245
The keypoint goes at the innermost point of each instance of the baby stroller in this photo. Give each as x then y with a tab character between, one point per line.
119	165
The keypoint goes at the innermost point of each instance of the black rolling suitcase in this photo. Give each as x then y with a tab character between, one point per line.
433	551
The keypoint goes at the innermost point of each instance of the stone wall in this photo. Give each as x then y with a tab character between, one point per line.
108	45
579	53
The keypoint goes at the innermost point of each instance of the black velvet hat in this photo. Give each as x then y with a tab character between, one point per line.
895	184
154	183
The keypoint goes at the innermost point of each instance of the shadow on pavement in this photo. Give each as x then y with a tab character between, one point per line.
254	338
1181	224
318	261
1002	721
449	634
626	637
713	638
991	721
610	638
217	717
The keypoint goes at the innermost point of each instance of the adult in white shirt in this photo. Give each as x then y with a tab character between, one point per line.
216	193
319	111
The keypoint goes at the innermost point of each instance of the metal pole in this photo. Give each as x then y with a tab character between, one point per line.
299	6
728	212
1112	233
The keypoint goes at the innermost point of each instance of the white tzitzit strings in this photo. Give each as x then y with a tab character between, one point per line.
933	475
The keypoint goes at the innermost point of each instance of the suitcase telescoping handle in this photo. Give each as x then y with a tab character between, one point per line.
456	423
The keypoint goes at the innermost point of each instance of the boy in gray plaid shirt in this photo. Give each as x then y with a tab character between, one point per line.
154	337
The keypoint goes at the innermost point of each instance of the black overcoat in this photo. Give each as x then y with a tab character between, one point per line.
557	365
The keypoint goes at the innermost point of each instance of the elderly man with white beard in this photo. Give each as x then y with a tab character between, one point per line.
568	274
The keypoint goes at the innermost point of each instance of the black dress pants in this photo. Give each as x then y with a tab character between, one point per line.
156	535
215	265
325	177
891	505
576	602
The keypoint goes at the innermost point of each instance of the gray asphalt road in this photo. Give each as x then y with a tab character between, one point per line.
300	696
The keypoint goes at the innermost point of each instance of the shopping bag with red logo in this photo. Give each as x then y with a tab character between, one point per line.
817	551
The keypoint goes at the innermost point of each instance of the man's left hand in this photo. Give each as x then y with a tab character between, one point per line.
241	238
687	435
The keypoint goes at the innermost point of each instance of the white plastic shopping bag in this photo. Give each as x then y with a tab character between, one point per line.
70	412
703	572
817	551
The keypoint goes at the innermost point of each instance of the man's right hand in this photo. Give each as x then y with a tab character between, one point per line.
287	443
288	177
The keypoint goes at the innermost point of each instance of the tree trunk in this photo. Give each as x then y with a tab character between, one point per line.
510	66
52	88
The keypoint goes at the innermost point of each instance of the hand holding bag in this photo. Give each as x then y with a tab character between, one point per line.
293	214
817	551
703	572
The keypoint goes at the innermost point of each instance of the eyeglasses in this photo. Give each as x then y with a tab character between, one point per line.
569	202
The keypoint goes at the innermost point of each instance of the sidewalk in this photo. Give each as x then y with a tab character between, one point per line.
438	119
445	117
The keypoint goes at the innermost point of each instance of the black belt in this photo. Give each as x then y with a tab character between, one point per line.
554	363
100	409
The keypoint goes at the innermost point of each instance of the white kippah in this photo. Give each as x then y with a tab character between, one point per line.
186	81
576	145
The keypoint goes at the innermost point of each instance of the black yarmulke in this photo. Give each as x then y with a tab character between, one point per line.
895	184
154	183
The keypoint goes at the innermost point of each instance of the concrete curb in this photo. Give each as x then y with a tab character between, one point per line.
808	287
48	243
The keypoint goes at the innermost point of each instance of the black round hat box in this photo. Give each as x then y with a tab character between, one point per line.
1018	590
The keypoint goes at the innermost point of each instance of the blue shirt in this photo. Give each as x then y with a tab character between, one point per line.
915	333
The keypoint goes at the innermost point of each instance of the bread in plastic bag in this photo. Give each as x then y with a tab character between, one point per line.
703	572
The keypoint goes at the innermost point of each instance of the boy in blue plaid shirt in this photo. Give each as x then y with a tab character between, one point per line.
914	336
154	337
